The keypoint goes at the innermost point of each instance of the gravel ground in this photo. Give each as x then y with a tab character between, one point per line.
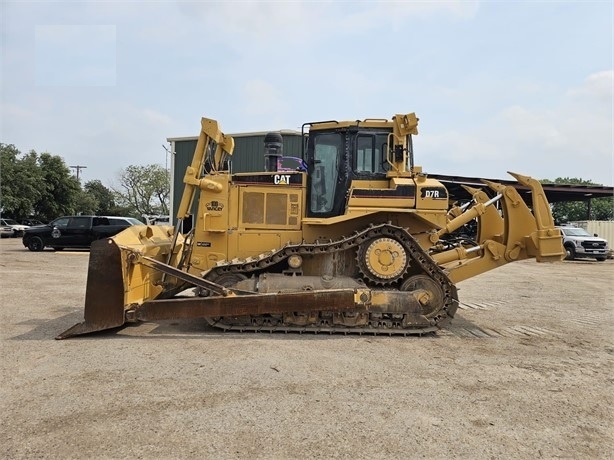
524	371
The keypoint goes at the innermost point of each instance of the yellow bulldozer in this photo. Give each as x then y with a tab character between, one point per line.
355	239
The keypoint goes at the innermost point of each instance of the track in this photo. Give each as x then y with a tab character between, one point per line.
316	319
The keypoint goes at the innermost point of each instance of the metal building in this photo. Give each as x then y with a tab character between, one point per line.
248	156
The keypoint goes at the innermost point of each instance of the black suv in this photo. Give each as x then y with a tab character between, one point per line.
75	231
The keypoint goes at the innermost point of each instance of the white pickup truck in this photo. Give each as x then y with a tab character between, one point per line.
579	243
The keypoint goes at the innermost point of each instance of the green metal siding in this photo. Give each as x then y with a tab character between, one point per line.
249	152
184	150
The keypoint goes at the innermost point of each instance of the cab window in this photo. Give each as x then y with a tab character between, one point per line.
370	153
326	155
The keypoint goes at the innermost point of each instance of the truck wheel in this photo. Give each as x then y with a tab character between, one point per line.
601	259
571	253
35	244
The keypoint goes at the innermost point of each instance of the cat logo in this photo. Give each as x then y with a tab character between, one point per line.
281	179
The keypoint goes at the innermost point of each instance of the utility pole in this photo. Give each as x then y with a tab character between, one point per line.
78	168
168	152
168	178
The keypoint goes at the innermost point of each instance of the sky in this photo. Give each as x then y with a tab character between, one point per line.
523	86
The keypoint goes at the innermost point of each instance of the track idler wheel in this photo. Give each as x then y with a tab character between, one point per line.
382	260
226	280
431	298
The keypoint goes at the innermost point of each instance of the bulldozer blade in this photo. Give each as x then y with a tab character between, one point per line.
104	297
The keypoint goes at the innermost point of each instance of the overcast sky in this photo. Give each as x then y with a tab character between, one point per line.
520	86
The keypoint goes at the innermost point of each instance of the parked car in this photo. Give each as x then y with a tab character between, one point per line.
579	243
31	222
17	228
6	231
75	231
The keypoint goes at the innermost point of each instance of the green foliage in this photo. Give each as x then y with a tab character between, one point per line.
102	196
60	190
33	184
86	203
103	201
41	185
20	178
571	211
145	189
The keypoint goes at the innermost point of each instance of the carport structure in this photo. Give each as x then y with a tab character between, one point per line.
554	192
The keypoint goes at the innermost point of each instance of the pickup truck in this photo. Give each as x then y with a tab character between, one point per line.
579	243
75	231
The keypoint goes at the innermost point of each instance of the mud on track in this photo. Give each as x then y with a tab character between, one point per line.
524	371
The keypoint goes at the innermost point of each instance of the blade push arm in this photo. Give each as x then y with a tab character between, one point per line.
210	141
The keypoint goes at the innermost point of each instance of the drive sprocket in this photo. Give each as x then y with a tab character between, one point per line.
382	260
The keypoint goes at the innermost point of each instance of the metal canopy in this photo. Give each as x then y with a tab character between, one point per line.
554	192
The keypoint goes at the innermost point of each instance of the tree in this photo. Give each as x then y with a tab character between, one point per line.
42	185
86	203
34	184
146	189
20	181
571	211
59	188
104	197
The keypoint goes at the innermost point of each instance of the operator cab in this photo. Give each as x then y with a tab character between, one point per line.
336	157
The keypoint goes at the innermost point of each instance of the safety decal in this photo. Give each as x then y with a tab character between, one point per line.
214	206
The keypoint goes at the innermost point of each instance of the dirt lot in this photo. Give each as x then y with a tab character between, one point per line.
524	371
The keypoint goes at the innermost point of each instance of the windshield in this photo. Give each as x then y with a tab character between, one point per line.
575	232
9	222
